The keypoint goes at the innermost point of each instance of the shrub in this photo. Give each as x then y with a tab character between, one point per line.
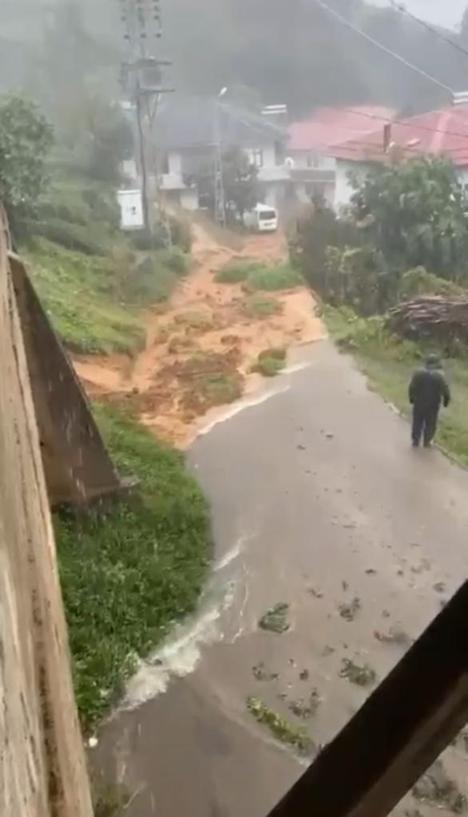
175	260
235	272
87	239
261	306
270	362
181	232
271	279
418	281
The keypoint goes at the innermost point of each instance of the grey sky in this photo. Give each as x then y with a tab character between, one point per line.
443	12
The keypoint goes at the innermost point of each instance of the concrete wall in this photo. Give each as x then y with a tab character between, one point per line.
77	466
42	764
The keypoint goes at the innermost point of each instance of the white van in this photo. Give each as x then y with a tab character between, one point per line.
262	219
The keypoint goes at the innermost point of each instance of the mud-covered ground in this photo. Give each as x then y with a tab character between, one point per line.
203	337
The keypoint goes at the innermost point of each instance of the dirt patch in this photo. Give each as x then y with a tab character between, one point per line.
201	347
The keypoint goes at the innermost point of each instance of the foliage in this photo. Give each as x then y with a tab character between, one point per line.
275	620
87	239
235	272
273	278
280	728
356	276
92	300
418	281
270	362
240	182
413	212
129	572
261	306
316	231
181	232
25	141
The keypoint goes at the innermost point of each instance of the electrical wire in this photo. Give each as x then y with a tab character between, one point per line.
406	124
347	23
437	33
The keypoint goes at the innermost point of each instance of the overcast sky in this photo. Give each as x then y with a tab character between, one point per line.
444	12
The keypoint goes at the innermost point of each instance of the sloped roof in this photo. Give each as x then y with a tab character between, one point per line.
190	122
329	126
440	133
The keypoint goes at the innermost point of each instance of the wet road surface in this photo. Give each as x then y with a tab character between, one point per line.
319	502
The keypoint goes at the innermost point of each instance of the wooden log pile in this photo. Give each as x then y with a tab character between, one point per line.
432	317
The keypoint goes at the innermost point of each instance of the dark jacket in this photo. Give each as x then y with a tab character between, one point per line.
428	389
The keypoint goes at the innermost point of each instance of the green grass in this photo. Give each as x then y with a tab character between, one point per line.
270	362
94	301
256	276
273	278
261	306
128	575
389	362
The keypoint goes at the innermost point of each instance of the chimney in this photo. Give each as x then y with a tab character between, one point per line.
387	136
460	98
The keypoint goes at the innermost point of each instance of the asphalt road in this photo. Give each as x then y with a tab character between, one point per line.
319	502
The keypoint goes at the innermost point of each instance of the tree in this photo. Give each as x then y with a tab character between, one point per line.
240	182
25	141
414	213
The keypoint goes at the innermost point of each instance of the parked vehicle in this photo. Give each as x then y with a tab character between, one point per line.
262	219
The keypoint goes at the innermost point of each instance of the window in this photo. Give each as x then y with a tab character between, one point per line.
256	157
313	161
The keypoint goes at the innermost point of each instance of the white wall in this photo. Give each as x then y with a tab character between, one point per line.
189	199
175	163
309	160
343	187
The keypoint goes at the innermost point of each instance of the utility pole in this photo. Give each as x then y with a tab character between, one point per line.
141	78
220	196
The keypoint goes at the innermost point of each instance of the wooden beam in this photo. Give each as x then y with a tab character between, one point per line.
399	731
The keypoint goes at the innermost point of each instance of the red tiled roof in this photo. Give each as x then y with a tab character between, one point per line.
443	132
330	126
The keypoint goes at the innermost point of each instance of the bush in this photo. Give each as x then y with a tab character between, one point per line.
75	291
181	232
87	239
271	279
175	260
235	272
270	362
418	281
261	306
128	573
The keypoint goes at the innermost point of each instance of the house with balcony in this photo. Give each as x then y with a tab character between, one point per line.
437	133
311	142
189	132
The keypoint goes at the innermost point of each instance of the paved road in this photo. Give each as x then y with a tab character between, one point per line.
318	501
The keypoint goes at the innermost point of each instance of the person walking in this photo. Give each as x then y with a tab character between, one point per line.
427	391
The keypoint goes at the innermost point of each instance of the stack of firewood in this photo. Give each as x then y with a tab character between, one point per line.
435	317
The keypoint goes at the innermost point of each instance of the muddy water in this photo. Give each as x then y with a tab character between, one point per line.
204	318
318	502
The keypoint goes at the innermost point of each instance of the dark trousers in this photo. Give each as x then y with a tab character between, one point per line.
424	423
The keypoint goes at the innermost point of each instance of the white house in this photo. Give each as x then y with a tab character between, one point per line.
188	131
437	133
311	147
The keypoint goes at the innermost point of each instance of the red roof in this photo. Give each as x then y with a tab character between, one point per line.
443	132
330	126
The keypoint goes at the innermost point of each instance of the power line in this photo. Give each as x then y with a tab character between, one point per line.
437	33
377	44
406	124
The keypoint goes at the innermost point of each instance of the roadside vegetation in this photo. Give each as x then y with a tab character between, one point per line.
130	571
254	276
393	277
270	362
94	301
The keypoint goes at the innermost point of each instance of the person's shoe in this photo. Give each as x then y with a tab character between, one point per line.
415	444
428	445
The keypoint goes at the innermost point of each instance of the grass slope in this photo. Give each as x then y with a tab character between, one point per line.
389	362
94	301
128	575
